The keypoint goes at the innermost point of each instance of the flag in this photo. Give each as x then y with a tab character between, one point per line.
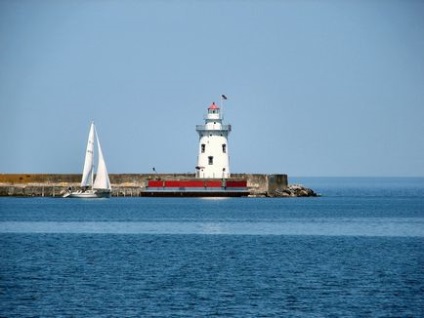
223	96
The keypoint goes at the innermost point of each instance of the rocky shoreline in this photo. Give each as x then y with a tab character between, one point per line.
293	190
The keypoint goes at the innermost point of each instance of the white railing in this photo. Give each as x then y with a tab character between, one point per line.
222	128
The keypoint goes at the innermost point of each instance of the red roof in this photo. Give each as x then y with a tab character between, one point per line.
213	106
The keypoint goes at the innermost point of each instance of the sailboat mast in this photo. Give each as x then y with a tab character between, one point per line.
87	174
92	174
94	156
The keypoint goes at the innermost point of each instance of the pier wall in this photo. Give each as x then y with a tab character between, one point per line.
122	184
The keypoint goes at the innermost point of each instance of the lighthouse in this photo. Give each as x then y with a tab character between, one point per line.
212	170
213	160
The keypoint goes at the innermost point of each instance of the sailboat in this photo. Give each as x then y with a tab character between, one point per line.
98	187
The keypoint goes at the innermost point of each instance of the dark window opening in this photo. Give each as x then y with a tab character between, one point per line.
210	160
203	147
224	148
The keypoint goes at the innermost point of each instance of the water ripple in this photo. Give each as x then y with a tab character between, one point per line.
389	227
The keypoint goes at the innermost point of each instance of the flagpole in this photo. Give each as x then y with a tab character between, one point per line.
222	106
223	97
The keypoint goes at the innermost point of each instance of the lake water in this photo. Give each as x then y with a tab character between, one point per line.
356	251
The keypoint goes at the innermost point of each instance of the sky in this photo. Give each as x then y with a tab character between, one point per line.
315	88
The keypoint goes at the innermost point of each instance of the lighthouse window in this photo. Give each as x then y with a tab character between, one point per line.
224	148
203	148
210	160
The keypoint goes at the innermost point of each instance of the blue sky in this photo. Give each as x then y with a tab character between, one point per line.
315	88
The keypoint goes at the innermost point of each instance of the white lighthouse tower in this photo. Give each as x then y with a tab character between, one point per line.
213	160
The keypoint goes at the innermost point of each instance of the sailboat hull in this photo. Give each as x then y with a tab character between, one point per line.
88	194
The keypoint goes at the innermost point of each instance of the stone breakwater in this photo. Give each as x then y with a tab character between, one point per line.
131	185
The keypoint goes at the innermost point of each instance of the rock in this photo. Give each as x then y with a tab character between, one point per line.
293	190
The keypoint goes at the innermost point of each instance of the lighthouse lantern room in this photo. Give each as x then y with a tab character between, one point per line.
213	160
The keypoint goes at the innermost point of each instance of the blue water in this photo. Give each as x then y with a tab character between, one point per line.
357	251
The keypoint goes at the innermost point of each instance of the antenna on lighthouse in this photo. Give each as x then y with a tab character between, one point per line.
223	97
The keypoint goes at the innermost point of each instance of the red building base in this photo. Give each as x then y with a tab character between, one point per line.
196	188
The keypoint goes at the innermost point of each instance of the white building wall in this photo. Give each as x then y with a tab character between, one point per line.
220	166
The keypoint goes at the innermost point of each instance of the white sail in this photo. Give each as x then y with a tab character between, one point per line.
102	177
87	174
101	187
